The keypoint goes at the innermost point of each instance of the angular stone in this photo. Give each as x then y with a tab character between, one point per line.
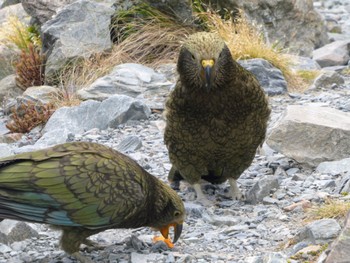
8	88
9	2
194	209
119	109
128	79
77	31
312	134
304	63
333	54
129	144
41	94
339	251
319	232
7	56
17	231
343	184
90	114
144	258
270	78
220	220
264	187
14	10
272	257
335	167
290	23
43	10
328	79
4	249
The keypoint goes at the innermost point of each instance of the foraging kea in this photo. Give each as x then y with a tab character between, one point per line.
216	116
85	188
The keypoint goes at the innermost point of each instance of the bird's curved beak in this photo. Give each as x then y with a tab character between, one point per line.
177	231
207	65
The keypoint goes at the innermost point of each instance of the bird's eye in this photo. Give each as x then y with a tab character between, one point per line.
193	57
176	213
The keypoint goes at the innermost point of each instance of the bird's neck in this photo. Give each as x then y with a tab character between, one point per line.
156	202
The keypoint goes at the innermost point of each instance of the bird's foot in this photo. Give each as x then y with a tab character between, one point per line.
235	192
237	195
81	258
201	198
91	245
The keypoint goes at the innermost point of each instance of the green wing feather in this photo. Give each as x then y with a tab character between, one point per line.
74	184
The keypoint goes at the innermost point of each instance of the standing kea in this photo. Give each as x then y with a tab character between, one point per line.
216	116
85	188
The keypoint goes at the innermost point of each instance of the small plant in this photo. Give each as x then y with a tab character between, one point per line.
16	33
66	97
28	116
30	68
331	209
308	75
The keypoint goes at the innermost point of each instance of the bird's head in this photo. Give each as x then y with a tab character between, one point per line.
170	212
202	61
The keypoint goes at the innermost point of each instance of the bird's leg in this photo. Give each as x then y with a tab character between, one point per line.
81	258
201	198
92	245
235	192
174	178
71	240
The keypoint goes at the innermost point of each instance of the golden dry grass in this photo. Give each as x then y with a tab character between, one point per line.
330	209
15	33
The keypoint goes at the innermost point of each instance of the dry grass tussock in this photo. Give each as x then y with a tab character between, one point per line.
337	209
14	33
142	35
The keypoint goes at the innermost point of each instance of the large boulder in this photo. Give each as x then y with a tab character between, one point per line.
312	134
333	54
270	78
43	10
8	3
90	114
77	31
319	232
16	10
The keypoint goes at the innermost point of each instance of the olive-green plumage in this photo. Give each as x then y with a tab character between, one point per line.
216	116
85	188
